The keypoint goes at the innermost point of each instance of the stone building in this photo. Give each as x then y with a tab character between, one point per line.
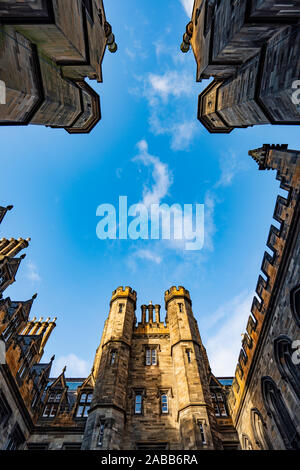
151	385
251	48
47	50
265	396
154	388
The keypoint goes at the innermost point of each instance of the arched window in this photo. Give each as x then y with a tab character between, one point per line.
246	443
259	430
288	369
295	303
276	408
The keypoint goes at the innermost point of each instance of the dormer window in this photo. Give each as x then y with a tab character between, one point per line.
51	407
84	405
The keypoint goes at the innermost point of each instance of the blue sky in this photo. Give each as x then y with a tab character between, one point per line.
56	182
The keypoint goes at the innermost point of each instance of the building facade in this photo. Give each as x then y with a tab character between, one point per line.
251	49
264	399
151	385
48	48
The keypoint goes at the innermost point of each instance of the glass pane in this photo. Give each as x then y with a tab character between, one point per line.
85	414
154	356
148	357
83	397
79	411
89	397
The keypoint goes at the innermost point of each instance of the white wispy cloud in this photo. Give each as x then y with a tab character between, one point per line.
230	165
148	255
223	347
162	176
172	83
76	367
32	272
167	95
188	6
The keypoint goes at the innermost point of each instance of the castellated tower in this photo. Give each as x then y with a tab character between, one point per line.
111	368
191	372
153	383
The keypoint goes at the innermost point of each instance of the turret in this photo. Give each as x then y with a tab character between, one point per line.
195	412
111	367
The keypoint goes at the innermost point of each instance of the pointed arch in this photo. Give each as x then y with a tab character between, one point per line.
260	430
276	409
295	303
288	369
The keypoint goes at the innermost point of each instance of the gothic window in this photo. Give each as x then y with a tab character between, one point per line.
246	443
259	430
138	405
151	357
5	410
16	439
201	430
164	403
288	369
84	405
219	404
276	409
295	303
101	434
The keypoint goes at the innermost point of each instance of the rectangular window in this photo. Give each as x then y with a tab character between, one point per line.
202	435
5	410
148	357
16	439
84	405
188	353
50	411
101	435
138	404
113	357
164	403
89	8
153	355
121	308
180	307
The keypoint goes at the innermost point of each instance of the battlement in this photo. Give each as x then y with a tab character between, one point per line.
123	292
12	246
174	291
287	164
